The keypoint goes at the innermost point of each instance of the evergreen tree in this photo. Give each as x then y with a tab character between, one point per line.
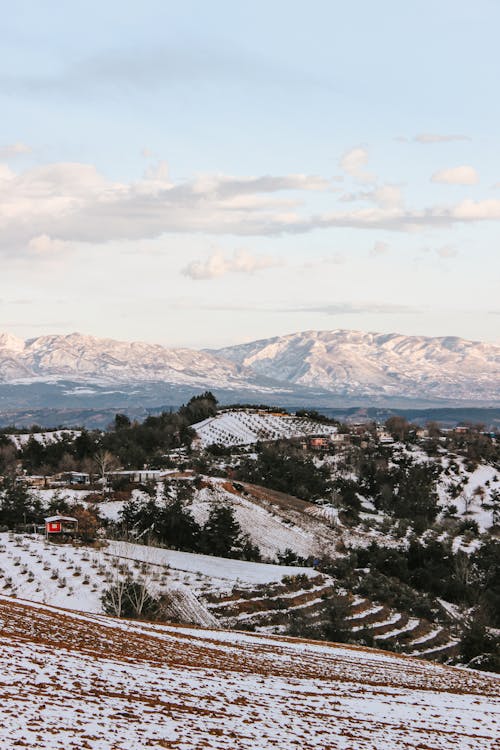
18	505
221	534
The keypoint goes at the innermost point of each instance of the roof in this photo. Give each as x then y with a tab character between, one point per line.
60	518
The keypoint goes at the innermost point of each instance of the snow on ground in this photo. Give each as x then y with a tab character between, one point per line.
73	681
484	479
45	438
246	426
76	577
271	528
220	570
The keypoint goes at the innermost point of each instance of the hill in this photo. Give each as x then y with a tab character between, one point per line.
374	364
94	682
246	426
300	368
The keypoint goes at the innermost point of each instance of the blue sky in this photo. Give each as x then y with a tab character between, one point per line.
207	173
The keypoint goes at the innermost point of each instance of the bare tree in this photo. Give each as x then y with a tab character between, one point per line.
105	462
114	598
8	459
467	499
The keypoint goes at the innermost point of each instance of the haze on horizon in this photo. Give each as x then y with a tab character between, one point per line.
215	173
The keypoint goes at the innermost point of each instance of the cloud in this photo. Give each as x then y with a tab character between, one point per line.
463	175
74	203
353	163
225	187
218	265
385	196
12	150
436	138
355	308
45	245
379	248
158	68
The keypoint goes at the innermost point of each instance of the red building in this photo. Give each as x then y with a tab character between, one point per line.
60	525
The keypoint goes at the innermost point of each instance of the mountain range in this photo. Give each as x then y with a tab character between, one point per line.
312	364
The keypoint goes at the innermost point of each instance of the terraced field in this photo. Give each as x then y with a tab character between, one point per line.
271	608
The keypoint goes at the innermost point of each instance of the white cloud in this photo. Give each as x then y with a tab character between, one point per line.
45	245
353	163
73	203
486	210
463	175
218	265
14	149
437	138
361	308
385	196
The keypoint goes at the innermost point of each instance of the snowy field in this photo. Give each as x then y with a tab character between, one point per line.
74	681
220	570
245	427
45	438
75	577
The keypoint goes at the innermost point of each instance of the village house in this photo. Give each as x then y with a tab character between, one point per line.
318	442
59	525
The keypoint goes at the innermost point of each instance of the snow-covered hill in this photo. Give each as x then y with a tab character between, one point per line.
88	359
306	365
355	363
75	577
72	681
246	426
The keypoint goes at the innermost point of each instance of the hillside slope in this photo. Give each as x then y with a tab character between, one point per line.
94	682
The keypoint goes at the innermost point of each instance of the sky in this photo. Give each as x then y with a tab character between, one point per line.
208	173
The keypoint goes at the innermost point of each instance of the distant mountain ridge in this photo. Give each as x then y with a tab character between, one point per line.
355	363
343	363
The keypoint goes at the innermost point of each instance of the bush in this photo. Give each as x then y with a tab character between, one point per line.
130	599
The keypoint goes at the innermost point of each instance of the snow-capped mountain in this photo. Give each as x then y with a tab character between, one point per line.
356	363
85	358
339	362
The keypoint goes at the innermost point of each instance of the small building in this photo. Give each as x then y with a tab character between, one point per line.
135	476
77	477
318	442
60	525
32	480
385	438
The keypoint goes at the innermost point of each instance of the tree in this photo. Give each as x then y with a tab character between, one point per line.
122	422
415	497
130	598
338	627
8	458
199	408
221	534
88	522
399	427
478	646
284	468
18	505
177	526
105	462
